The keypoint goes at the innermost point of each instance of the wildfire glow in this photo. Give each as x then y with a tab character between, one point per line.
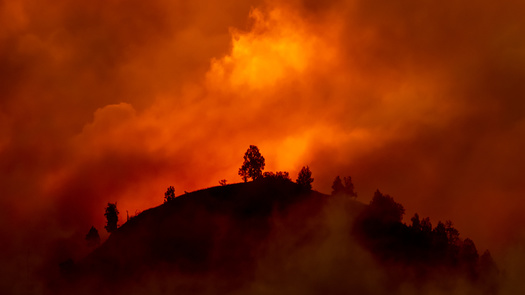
278	47
117	100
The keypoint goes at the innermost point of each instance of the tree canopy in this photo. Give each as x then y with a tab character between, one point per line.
282	175
253	164
337	186
304	179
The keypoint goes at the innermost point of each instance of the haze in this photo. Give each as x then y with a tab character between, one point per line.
113	101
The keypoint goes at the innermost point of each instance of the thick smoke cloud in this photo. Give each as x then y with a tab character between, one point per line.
114	101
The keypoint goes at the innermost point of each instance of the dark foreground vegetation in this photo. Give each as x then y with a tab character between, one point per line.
226	238
422	251
276	236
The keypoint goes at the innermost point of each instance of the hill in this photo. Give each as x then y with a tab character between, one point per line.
268	234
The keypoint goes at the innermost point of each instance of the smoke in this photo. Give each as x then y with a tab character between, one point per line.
307	249
114	101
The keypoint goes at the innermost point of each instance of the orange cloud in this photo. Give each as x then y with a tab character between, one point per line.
116	101
279	46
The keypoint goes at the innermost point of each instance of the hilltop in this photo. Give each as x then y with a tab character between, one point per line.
211	230
275	233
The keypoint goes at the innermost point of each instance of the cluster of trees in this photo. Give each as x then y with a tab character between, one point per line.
283	175
347	188
111	214
379	228
253	167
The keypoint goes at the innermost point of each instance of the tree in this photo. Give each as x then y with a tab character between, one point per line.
92	237
452	233
169	195
223	182
385	209
469	253
416	224
112	217
253	164
349	187
304	179
426	225
337	186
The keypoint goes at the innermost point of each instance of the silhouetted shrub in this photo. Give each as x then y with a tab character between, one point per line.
92	237
112	217
282	175
169	195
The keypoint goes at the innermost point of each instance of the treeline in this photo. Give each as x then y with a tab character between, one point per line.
419	245
378	227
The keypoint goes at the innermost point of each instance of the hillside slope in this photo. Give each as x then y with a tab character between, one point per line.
272	237
216	229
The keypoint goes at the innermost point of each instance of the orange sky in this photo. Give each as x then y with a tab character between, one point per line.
116	100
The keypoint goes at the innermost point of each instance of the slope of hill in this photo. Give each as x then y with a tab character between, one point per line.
267	236
216	229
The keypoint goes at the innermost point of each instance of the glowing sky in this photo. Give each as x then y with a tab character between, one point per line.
116	100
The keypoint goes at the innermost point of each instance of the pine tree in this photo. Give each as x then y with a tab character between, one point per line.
304	179
253	164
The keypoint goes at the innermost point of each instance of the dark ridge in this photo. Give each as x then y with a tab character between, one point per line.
211	230
221	235
420	250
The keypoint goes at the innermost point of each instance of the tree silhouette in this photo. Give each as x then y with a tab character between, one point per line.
282	175
469	253
349	187
385	209
304	179
337	186
92	237
223	182
169	195
253	164
426	225
452	233
421	247
416	223
112	217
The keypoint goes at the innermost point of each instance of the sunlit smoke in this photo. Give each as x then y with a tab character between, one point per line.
115	101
